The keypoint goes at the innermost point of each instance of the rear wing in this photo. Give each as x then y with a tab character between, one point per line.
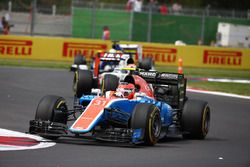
132	49
176	84
116	57
155	77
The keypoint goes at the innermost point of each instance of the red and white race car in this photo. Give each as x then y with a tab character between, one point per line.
113	65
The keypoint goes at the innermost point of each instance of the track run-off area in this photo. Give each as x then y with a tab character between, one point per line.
227	144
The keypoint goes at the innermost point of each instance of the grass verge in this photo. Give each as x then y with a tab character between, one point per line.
209	72
236	88
35	63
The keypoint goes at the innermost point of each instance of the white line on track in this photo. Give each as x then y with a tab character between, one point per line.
218	93
225	80
229	80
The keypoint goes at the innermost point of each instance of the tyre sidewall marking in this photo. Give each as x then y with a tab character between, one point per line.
60	103
102	89
151	118
76	82
204	116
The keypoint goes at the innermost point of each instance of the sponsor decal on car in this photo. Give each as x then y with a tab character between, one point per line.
147	74
168	76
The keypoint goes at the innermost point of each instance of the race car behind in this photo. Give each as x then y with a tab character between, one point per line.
130	53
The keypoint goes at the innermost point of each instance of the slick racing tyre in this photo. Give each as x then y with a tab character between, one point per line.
195	119
146	64
83	82
110	83
147	117
80	60
52	108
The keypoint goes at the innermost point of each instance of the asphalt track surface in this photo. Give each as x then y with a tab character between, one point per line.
227	144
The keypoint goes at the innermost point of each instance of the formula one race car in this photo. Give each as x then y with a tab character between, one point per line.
114	64
145	107
119	56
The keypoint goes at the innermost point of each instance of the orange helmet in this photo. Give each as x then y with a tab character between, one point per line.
126	89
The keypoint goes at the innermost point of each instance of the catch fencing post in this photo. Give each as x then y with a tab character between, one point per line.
131	21
149	23
33	14
93	16
9	6
54	10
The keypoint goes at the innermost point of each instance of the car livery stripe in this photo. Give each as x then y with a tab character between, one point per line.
92	113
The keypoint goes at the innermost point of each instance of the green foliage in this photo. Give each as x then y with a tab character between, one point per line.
221	4
117	21
228	4
191	3
236	88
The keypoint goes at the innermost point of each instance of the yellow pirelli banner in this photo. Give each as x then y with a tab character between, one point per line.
48	48
64	49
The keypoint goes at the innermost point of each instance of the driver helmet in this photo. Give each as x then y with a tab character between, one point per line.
126	90
112	51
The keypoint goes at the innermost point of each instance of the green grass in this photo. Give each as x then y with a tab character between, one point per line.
236	88
209	72
35	63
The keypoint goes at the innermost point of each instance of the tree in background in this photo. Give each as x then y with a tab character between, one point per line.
217	4
228	4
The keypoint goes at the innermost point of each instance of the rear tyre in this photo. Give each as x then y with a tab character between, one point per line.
147	117
83	82
146	64
80	60
52	108
195	119
110	83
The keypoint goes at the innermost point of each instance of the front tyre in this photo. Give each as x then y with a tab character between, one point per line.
195	119
147	117
54	109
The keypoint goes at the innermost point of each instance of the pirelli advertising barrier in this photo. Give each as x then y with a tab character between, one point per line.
64	49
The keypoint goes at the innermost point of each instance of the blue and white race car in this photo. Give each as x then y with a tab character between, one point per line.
119	56
145	107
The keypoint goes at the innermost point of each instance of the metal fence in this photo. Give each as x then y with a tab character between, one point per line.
189	25
208	11
33	19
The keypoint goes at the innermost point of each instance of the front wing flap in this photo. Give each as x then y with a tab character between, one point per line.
47	128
